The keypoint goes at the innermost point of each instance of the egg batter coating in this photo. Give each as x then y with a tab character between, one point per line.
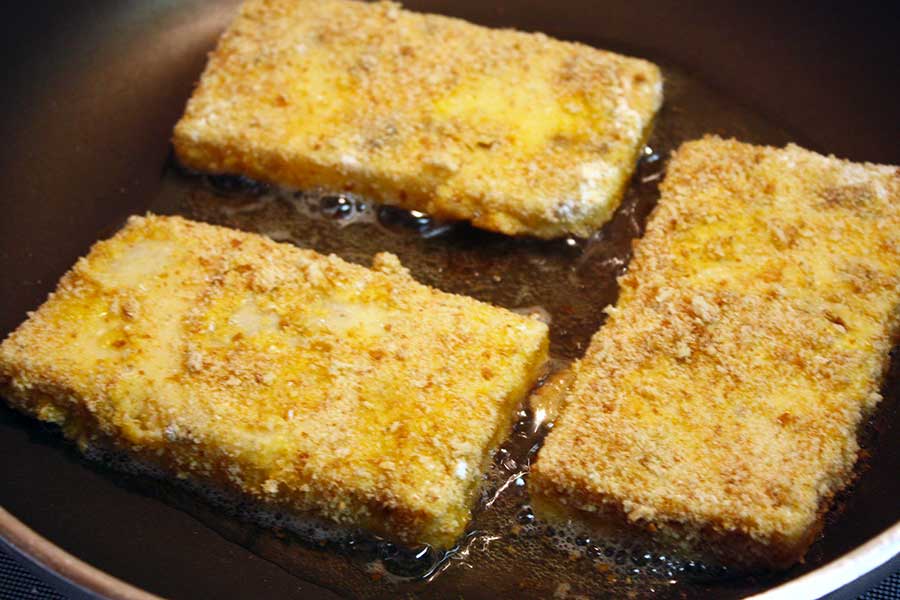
516	132
311	384
718	408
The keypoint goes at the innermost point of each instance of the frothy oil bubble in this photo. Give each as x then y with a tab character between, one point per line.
392	562
342	208
627	558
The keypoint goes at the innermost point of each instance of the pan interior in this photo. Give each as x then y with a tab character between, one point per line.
92	176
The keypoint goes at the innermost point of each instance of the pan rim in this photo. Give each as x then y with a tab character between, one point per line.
862	562
69	571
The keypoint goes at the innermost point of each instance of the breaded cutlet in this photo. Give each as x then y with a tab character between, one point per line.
311	384
718	408
516	132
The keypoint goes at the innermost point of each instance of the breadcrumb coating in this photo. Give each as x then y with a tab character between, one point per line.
515	132
309	383
718	408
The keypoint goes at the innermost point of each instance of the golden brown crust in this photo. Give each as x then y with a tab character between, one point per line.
719	405
302	380
516	132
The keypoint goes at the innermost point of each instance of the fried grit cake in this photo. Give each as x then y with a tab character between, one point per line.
719	406
304	381
515	132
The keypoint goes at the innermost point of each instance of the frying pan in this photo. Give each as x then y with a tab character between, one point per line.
92	89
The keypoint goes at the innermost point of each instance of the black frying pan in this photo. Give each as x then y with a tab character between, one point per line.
92	89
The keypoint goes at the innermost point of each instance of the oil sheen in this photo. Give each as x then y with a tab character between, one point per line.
507	551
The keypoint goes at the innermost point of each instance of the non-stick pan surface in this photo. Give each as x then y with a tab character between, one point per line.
91	90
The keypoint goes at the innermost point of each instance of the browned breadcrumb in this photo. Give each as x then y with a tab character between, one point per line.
515	132
307	382
718	408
